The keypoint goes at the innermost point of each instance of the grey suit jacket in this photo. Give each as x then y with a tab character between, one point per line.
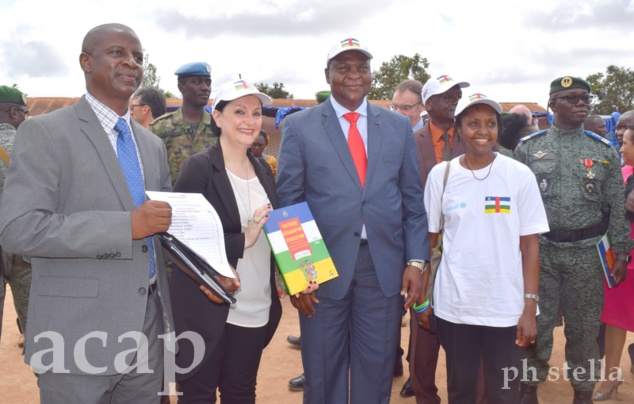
66	203
315	166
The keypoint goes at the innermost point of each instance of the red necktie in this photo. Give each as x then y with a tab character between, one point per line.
355	143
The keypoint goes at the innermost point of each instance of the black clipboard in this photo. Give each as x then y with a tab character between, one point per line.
195	267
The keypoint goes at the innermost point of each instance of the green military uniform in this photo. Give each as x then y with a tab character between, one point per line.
181	139
579	175
17	270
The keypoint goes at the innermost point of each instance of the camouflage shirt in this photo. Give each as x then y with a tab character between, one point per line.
181	140
7	135
577	173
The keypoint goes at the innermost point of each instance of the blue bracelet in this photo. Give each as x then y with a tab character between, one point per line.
422	307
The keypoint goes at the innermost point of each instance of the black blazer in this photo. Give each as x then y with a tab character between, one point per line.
205	173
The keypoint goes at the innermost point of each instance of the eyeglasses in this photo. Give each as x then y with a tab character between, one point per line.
403	108
448	97
24	111
574	99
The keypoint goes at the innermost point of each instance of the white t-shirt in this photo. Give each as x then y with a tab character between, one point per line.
253	298
480	277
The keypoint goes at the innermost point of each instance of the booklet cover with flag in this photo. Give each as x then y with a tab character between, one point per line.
607	256
299	250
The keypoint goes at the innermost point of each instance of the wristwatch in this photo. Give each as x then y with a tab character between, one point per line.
531	296
624	257
418	264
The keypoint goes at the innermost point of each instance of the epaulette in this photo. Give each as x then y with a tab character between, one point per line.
541	132
597	137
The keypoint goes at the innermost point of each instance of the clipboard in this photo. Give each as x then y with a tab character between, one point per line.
194	266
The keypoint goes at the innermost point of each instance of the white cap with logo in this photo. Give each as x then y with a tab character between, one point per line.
348	44
233	90
477	98
439	85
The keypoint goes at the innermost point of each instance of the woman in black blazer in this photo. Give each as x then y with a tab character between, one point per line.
241	189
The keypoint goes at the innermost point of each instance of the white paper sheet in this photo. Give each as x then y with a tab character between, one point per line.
197	225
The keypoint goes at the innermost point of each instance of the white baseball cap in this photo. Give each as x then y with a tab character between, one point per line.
477	98
439	85
233	90
345	45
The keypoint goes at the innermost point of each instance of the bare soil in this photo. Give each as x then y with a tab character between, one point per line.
280	363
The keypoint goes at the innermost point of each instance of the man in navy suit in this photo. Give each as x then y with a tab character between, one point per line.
355	165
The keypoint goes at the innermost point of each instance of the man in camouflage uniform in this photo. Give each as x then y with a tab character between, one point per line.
189	129
579	176
17	274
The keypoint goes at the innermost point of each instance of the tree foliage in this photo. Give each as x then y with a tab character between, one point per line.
150	79
275	91
398	69
614	90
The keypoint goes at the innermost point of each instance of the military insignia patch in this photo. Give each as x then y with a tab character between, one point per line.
539	154
590	187
543	184
566	82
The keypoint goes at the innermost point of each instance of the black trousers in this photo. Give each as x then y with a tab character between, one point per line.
464	346
232	368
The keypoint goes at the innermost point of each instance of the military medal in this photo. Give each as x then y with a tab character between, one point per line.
590	174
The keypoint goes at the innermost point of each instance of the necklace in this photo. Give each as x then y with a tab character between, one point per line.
237	190
472	173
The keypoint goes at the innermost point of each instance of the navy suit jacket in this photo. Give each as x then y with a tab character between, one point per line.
315	166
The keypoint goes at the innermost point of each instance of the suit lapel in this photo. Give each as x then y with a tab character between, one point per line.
150	169
336	135
375	141
222	185
91	128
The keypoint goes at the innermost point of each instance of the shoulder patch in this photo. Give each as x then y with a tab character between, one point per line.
529	137
597	137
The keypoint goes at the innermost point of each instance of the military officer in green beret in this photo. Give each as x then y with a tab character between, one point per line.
579	176
17	269
189	129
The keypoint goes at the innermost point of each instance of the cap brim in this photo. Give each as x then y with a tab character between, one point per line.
487	101
264	99
340	51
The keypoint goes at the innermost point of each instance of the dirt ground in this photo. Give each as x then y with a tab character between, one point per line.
280	363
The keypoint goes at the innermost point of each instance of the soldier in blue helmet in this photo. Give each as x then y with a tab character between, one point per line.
189	129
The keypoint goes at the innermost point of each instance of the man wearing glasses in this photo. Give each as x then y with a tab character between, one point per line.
579	177
14	269
407	101
147	104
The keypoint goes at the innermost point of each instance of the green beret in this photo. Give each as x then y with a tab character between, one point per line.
568	82
322	96
13	95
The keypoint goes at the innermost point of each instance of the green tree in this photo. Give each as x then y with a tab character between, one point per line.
391	73
275	91
614	90
150	79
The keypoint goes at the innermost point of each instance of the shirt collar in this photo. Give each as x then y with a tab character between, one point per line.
340	110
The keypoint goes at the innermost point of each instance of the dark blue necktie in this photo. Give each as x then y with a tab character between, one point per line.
126	152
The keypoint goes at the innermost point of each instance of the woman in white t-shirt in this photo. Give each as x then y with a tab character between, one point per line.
485	293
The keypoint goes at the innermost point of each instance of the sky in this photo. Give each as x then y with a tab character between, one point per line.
508	50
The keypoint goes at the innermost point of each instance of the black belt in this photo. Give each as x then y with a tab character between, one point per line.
570	236
152	288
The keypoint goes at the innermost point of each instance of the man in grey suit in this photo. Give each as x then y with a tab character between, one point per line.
355	165
99	297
